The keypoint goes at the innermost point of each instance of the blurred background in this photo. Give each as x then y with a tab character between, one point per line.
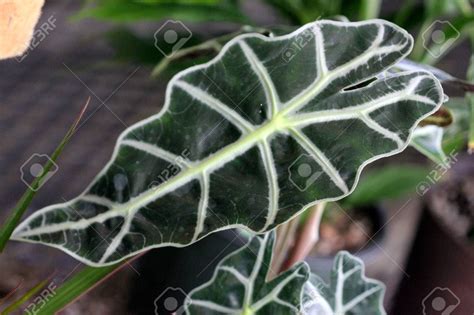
410	221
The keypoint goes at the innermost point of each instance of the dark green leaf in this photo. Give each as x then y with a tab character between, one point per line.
249	140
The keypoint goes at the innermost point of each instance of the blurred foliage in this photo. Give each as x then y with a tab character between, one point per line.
456	135
389	182
425	18
186	10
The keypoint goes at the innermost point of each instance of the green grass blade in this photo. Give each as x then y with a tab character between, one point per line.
25	200
79	284
28	295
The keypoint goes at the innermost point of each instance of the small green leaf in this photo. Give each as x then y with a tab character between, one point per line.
349	291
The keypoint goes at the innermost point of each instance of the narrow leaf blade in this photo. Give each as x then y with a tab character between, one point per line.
12	221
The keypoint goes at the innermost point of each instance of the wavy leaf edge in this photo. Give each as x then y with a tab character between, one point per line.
322	288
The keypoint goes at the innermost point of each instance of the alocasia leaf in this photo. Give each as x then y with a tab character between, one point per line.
349	291
250	139
239	286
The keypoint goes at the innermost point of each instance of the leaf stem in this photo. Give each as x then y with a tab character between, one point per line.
418	51
25	200
369	9
307	238
214	44
285	238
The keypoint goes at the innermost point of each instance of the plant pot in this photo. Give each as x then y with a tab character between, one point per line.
441	261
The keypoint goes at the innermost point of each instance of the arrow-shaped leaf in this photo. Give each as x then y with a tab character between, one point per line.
348	293
239	284
249	139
